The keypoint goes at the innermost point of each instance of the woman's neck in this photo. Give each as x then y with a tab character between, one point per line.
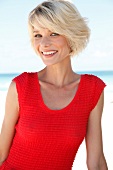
60	74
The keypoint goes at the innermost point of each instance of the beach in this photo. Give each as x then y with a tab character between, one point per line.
107	127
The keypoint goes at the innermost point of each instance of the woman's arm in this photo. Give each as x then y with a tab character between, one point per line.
10	119
94	145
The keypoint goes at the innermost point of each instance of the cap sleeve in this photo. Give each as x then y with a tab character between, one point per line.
99	86
20	81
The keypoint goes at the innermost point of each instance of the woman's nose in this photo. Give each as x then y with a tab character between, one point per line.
45	42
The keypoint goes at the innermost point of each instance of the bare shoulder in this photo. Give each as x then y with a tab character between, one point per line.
12	88
95	115
12	96
11	104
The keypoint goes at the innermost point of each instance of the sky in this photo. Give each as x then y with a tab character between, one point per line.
17	55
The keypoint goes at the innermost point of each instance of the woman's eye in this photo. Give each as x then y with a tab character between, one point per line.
37	35
54	34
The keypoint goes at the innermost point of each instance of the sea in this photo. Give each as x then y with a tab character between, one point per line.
106	76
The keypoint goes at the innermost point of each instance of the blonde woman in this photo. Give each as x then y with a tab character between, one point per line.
50	112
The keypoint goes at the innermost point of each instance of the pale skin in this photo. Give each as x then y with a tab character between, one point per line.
59	81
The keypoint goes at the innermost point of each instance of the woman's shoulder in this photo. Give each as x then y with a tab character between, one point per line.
91	78
22	76
21	81
93	87
93	83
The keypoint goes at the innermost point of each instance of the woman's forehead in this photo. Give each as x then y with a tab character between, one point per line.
40	29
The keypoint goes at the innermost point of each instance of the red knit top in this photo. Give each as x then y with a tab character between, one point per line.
48	139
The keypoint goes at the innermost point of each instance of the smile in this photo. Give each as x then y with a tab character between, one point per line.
49	53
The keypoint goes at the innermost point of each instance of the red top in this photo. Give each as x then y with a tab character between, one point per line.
48	139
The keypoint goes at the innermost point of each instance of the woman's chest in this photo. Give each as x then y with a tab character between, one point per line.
57	98
36	121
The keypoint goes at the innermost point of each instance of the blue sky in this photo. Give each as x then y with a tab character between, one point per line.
17	55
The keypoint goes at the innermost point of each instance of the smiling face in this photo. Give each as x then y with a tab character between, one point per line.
52	47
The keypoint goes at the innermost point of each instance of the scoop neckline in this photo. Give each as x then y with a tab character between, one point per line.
46	108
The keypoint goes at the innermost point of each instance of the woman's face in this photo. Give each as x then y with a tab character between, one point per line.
52	47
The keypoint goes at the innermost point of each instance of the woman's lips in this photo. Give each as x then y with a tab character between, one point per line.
49	53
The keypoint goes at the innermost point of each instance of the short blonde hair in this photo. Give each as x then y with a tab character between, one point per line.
63	18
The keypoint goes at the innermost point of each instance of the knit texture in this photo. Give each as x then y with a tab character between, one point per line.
48	139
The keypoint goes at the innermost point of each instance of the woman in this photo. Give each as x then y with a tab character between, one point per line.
49	113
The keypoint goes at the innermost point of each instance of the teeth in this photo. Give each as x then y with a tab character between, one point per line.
49	52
